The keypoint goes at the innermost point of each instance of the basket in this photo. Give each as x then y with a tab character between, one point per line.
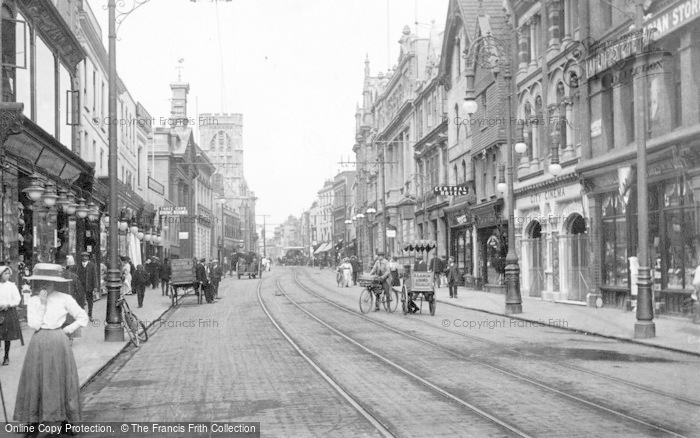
367	280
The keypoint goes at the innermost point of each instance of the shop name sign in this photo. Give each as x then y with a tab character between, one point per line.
422	281
450	190
173	211
614	53
672	18
548	194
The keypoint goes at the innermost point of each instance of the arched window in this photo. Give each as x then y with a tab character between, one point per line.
464	171
562	114
528	132
457	120
539	115
456	175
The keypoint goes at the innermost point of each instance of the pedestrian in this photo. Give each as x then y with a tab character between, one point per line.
346	269
443	277
10	298
74	288
695	295
436	268
141	279
165	272
203	281
394	271
157	266
49	387
103	278
215	274
126	276
355	269
88	276
452	277
381	269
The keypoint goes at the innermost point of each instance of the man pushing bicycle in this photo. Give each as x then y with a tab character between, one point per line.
381	269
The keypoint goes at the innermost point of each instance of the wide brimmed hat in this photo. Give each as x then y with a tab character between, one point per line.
47	272
4	268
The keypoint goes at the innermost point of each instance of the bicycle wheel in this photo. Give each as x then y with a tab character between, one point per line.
393	303
432	303
366	301
142	333
404	300
131	325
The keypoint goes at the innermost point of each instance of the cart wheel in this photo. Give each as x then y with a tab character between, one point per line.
404	300
432	303
394	304
366	301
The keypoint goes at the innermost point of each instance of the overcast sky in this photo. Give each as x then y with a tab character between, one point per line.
293	68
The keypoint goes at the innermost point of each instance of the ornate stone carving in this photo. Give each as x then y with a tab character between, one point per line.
11	121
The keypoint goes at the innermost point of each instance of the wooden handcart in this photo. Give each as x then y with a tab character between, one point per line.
252	269
418	285
184	279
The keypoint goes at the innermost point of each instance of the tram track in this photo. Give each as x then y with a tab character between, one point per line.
506	429
592	404
673	397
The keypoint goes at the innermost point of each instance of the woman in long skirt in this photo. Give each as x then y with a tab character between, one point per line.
9	322
49	389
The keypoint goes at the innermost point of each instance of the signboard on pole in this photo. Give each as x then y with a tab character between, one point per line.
172	211
450	190
184	235
391	234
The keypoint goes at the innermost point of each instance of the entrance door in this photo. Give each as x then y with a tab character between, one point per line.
577	243
536	268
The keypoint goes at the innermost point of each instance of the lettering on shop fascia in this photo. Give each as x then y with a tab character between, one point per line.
547	186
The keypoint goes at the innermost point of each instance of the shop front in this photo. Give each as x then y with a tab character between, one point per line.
46	190
461	233
674	231
552	239
491	245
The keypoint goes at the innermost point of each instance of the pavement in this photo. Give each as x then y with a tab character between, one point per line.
92	353
672	333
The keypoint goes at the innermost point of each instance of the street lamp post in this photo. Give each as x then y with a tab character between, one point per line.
493	47
347	235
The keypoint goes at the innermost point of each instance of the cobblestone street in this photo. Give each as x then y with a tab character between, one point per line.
409	375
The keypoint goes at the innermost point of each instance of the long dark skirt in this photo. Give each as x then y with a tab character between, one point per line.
49	388
9	329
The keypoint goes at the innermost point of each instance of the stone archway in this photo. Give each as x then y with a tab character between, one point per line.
575	258
533	259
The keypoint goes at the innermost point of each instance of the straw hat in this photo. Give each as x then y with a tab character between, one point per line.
47	272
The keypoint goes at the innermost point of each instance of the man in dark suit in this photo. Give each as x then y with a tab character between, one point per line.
215	272
452	277
436	268
87	273
201	278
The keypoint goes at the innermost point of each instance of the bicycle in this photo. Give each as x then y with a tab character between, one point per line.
135	328
373	293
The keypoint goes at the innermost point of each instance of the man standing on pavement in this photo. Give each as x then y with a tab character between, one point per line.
436	268
355	269
381	269
201	278
88	276
215	274
452	277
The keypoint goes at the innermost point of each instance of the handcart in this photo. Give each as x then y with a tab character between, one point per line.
418	285
252	269
183	278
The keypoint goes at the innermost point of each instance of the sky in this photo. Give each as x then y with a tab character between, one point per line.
293	68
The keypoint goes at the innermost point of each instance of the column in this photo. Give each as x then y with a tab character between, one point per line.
553	7
689	51
568	152
524	49
567	22
594	297
533	26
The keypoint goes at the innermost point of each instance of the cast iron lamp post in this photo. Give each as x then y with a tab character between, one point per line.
492	53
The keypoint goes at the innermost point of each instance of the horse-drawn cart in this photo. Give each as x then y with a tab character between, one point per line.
418	284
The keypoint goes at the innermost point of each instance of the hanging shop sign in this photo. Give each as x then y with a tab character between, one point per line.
672	18
172	211
450	190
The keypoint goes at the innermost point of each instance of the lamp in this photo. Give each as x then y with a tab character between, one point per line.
148	236
49	196
502	186
105	219
139	234
520	145
371	210
35	188
134	228
62	200
360	216
70	206
81	210
123	225
470	106
348	222
93	212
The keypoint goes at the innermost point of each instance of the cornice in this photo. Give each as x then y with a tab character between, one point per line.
549	183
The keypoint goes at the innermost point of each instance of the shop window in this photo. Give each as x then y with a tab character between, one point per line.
677	91
608	118
11	218
628	115
614	241
45	87
682	239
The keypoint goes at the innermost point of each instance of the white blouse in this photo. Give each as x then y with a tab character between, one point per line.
9	295
58	306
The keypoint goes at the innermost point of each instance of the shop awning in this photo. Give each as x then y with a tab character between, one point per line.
323	248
